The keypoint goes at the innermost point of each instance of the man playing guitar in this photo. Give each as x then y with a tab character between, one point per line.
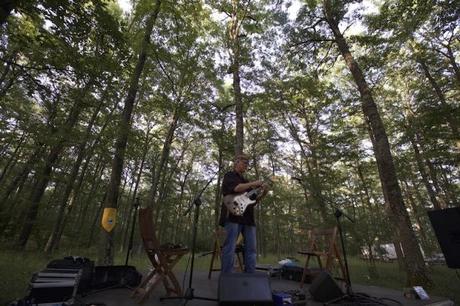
235	183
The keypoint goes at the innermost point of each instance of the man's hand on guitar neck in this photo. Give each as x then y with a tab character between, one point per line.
264	192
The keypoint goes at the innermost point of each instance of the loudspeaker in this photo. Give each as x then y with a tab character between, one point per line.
324	288
244	289
446	225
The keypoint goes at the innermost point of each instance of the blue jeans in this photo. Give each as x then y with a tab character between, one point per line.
232	230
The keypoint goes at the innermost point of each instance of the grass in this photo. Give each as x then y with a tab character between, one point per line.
17	268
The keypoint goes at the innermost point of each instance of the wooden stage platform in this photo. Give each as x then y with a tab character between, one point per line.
208	288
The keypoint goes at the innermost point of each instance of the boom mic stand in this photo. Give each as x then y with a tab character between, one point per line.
349	296
189	295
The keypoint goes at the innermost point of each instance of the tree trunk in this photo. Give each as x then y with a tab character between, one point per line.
9	60
446	107
92	228
22	174
453	63
374	219
308	181
37	192
163	159
434	179
177	223
6	213
417	216
235	69
218	190
90	153
60	223
106	255
13	158
422	171
83	216
43	177
134	199
451	198
414	263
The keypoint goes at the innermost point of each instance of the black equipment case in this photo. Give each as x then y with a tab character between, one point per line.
54	286
61	281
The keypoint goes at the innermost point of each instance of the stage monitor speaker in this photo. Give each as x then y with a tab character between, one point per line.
446	225
244	289
324	288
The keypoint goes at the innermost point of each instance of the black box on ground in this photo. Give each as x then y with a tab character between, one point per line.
244	289
113	276
294	273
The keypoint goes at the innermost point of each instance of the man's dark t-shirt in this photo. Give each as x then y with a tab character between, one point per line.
230	181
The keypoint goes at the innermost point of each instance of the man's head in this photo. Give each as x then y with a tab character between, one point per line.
241	163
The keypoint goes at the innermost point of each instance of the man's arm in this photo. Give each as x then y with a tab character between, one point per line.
245	186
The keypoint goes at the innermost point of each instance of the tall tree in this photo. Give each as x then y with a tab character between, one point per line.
111	200
415	265
246	17
320	24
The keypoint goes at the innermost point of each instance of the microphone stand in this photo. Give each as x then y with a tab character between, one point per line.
189	295
338	213
349	296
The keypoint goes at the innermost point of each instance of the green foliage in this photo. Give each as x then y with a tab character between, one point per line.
303	117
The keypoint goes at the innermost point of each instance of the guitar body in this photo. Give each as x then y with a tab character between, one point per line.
237	203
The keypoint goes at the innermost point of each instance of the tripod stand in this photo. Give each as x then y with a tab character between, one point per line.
189	295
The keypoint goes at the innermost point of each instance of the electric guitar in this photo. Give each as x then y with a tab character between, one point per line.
237	203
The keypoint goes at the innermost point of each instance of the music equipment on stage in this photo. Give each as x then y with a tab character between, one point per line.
446	225
244	289
115	276
54	286
294	273
324	288
237	203
76	263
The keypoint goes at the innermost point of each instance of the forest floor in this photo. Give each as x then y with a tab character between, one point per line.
17	268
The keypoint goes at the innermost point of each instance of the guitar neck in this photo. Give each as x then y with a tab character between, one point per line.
254	191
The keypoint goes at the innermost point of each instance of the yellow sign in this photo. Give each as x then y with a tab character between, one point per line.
109	218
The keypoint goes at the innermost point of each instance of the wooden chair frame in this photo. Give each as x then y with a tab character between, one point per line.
162	257
330	252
